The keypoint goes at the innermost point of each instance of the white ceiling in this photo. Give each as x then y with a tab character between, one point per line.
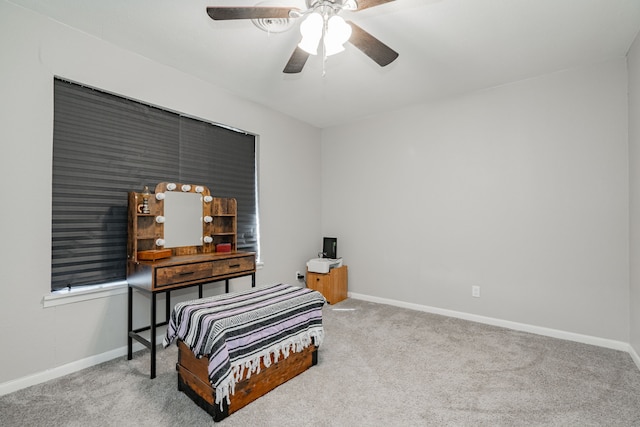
446	47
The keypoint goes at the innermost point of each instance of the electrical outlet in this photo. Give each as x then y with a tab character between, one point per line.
299	276
475	291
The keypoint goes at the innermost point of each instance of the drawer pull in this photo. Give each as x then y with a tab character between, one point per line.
186	273
234	266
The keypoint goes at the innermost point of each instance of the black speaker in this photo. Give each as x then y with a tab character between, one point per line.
330	247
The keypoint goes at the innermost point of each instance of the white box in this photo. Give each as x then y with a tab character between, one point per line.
323	265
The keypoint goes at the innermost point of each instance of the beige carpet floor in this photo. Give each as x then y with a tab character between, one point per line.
379	366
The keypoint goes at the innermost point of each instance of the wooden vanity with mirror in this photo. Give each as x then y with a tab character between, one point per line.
179	236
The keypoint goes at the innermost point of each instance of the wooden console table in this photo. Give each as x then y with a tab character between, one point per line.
179	272
160	260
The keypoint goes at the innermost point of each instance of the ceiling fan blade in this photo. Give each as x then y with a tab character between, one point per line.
225	13
365	4
371	46
296	62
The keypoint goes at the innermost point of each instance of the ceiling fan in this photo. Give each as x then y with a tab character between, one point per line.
321	23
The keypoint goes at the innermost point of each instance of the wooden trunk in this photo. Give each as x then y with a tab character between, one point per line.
193	379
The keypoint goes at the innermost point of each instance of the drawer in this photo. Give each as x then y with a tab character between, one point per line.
233	265
183	273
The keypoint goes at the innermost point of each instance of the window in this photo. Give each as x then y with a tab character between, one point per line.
105	146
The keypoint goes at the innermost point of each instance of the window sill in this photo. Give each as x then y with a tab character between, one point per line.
55	299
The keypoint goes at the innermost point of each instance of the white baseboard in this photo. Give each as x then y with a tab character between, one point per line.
555	333
69	368
634	356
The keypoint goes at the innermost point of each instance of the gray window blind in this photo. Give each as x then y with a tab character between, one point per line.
105	146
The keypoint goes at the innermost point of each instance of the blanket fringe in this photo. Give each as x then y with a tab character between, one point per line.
243	369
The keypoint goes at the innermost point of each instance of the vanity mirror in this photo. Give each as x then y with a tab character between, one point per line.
183	224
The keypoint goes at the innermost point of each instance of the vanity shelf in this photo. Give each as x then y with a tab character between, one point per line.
224	222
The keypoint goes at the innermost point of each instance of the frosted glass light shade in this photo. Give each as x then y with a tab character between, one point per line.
338	33
311	30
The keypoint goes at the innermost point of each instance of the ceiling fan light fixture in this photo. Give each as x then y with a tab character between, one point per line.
311	30
314	28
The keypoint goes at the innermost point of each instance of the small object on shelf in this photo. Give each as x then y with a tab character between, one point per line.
145	200
223	247
154	254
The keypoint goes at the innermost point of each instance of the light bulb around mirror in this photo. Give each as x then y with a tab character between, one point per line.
159	196
207	199
160	219
186	188
171	186
208	239
159	242
208	219
199	188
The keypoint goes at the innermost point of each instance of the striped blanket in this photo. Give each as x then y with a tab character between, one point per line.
238	330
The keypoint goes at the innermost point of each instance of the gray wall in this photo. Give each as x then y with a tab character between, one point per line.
521	189
33	50
634	167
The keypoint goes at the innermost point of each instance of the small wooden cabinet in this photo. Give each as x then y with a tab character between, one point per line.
333	285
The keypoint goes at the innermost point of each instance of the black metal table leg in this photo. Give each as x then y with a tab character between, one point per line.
153	335
130	325
226	285
167	306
